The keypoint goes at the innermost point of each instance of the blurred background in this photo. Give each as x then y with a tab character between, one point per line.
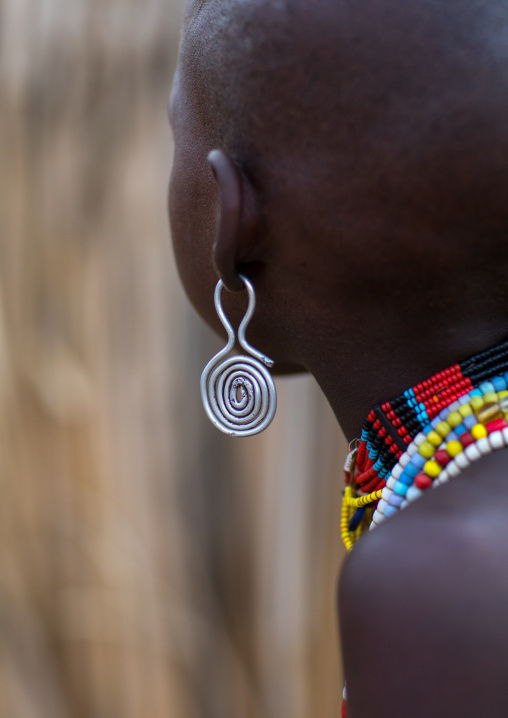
149	566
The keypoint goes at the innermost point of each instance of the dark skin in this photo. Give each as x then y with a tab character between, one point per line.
350	159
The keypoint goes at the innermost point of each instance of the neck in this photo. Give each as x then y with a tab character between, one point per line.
355	379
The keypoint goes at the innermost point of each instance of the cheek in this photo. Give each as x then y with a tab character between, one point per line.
192	210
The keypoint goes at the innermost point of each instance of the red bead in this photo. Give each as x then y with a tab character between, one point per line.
496	425
442	458
344	710
466	440
423	481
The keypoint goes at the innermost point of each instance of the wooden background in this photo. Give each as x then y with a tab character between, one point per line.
149	566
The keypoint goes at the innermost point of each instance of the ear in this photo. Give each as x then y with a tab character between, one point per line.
236	223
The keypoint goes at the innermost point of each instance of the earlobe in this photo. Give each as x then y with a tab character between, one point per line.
230	238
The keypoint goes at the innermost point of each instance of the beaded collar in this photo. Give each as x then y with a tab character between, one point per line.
424	437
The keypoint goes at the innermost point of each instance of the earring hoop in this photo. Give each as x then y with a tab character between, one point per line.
238	393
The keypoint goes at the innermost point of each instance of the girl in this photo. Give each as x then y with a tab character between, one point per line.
357	178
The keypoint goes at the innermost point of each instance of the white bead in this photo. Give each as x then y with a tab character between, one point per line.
496	440
412	449
462	461
391	482
505	434
420	438
404	460
396	471
374	521
472	452
386	493
483	445
404	504
452	468
442	478
381	505
453	407
413	493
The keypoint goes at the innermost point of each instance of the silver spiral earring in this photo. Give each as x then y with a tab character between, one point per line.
238	393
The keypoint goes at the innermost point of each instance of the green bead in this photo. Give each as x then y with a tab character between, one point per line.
426	449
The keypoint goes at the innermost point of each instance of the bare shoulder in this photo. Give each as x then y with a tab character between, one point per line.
423	605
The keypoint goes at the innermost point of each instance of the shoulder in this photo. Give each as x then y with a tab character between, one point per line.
422	608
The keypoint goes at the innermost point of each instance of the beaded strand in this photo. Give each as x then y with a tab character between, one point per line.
390	427
471	427
443	425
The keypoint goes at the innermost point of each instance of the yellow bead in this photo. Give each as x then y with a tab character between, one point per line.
426	449
465	410
478	432
502	394
477	402
454	448
454	419
490	397
434	438
432	469
443	429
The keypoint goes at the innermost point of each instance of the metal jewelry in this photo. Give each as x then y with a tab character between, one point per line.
238	393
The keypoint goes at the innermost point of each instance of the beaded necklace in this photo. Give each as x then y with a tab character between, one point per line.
422	438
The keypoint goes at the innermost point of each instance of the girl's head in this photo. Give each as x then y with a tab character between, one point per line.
359	177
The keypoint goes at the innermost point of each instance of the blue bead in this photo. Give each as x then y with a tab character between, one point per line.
390	510
356	518
475	392
486	387
395	500
400	488
452	436
464	399
411	469
405	478
443	414
459	430
470	421
499	383
506	378
419	461
422	414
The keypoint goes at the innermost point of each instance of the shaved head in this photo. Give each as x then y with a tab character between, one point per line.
374	137
400	100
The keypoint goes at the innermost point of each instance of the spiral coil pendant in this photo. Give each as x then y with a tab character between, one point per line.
238	392
240	398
